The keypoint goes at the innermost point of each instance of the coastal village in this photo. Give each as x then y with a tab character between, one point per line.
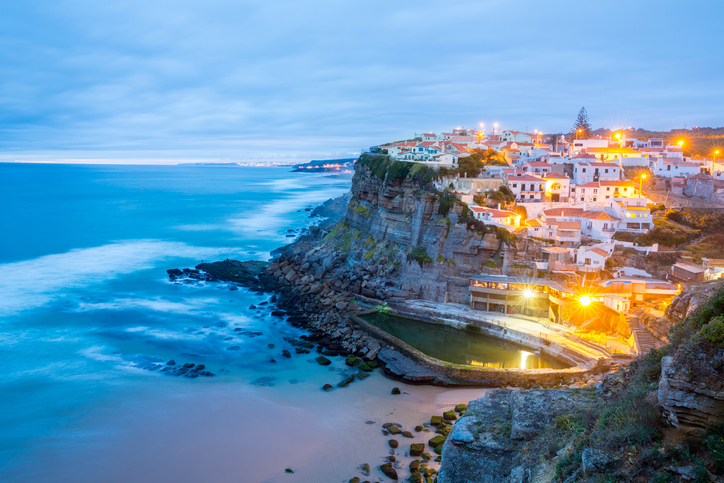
588	205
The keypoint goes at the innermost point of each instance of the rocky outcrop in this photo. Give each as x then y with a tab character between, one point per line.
244	274
687	301
487	444
690	402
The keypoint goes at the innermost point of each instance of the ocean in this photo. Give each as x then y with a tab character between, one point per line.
88	319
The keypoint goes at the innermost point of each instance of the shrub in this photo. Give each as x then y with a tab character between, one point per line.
419	255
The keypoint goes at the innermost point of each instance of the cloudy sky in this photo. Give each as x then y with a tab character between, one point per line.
229	80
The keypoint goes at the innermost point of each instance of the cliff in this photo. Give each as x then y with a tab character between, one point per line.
424	242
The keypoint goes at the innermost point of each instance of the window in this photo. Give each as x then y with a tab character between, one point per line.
515	185
588	261
608	189
606	170
531	197
583	199
595	191
584	170
595	199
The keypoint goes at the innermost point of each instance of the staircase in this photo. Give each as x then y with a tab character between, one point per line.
645	340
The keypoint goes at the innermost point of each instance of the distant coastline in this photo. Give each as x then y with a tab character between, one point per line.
327	165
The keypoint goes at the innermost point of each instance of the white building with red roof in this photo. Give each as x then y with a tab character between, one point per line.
595	171
674	167
599	191
491	216
526	188
518	136
557	187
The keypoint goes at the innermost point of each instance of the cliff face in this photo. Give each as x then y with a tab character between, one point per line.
398	224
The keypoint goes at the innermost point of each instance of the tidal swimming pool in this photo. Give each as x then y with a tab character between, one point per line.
461	346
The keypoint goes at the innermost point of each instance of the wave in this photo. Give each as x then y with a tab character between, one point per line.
33	283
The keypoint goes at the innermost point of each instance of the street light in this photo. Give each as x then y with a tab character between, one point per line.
578	132
527	293
585	301
641	180
681	143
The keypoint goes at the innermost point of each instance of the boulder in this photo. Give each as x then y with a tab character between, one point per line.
688	404
394	430
323	361
449	416
596	461
393	443
396	390
437	441
435	420
416	449
389	471
327	387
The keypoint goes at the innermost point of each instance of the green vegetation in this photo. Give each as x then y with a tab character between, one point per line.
446	200
581	128
474	328
447	261
419	255
629	419
383	309
447	222
361	210
490	264
383	167
502	195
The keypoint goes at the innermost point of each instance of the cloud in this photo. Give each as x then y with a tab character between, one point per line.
224	79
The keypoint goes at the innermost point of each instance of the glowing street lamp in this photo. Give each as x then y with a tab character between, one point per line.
641	180
495	127
527	293
585	301
681	143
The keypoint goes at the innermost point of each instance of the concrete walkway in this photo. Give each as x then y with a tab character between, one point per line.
544	329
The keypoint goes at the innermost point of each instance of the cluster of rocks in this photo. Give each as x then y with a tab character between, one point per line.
422	468
238	273
186	370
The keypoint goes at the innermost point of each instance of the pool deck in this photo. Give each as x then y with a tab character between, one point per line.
457	314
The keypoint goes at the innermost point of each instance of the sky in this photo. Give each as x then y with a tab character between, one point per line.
229	80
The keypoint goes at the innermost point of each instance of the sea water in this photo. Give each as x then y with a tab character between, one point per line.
88	318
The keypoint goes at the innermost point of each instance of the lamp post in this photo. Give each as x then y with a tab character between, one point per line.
578	132
641	180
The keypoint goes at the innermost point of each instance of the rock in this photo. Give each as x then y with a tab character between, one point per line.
323	361
449	416
352	361
396	390
171	363
356	479
416	449
426	456
394	430
418	428
286	353
596	461
393	443
389	471
688	404
435	420
364	469
437	441
460	408
362	375
346	381
414	466
415	478
327	387
288	470
407	434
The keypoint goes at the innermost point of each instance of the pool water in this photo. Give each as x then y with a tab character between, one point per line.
461	346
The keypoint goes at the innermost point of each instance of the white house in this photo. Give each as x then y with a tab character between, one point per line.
579	146
598	191
558	187
517	136
591	258
674	167
502	218
527	188
634	214
537	167
586	172
596	224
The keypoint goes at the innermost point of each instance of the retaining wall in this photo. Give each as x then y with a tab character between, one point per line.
463	374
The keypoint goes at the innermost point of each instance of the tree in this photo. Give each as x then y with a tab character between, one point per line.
581	124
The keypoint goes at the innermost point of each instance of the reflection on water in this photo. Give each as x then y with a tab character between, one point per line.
461	346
